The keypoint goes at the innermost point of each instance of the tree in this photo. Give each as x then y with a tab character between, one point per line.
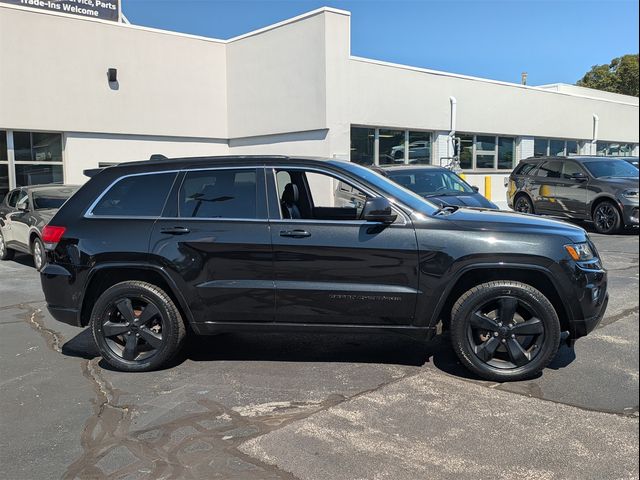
620	76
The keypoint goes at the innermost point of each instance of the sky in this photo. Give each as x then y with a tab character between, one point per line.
554	41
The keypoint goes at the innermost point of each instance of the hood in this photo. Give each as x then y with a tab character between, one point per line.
620	182
474	200
503	221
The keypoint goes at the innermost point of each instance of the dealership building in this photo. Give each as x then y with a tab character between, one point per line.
79	90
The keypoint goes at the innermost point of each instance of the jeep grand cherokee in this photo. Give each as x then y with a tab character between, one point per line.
222	244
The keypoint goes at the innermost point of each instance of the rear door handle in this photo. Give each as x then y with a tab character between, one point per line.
175	230
295	233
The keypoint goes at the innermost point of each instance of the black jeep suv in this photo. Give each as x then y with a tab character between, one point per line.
146	249
599	189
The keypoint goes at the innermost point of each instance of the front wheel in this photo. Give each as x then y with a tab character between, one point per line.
136	326
607	218
5	253
505	330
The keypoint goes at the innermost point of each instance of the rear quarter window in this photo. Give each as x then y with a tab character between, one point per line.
525	169
135	196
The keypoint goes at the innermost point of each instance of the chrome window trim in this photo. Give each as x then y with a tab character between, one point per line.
342	178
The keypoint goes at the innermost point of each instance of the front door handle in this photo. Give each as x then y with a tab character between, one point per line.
295	233
175	230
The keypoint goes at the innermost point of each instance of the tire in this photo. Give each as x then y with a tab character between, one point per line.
130	340
39	255
606	218
523	205
501	346
5	253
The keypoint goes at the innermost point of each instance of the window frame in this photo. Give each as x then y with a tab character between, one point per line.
184	173
407	133
272	189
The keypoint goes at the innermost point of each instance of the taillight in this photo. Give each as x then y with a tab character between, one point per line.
52	234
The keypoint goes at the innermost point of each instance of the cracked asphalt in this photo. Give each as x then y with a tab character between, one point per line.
314	406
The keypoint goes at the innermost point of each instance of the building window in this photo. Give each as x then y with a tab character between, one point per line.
4	165
36	158
362	144
614	149
391	148
419	147
386	146
554	147
486	152
506	153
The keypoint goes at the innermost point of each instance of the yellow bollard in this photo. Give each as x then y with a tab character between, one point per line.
487	187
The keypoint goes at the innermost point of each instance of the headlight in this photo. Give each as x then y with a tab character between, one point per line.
580	252
630	194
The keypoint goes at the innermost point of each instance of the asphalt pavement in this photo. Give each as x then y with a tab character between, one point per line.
275	406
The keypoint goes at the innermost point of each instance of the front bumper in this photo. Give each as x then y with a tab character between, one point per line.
630	215
593	298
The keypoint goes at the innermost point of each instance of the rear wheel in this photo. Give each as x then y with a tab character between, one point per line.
505	330
5	253
606	218
39	257
523	205
136	326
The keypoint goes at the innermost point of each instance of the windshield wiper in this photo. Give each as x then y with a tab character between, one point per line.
445	209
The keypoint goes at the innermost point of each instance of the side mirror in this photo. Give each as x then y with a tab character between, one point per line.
475	188
23	207
579	176
378	210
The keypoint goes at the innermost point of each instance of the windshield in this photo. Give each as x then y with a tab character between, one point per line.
428	182
52	198
611	168
392	189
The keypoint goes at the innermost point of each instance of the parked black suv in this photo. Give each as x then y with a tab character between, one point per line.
145	249
599	189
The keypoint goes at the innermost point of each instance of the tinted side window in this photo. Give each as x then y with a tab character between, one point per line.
136	196
219	194
551	169
570	168
525	168
12	200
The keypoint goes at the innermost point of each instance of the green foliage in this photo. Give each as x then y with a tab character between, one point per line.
620	76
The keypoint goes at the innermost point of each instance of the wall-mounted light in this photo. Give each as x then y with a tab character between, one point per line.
112	75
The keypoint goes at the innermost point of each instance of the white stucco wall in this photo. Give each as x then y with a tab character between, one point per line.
276	80
85	150
53	76
394	96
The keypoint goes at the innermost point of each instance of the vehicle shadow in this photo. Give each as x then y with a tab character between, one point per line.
390	349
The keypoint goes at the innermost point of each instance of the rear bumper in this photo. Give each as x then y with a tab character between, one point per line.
61	293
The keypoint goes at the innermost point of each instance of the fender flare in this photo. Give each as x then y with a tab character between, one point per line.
435	316
175	291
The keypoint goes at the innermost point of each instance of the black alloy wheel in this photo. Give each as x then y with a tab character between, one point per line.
523	205
5	253
505	330
606	218
39	255
136	326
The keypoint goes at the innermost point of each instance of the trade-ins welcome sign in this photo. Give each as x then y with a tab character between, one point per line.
101	9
